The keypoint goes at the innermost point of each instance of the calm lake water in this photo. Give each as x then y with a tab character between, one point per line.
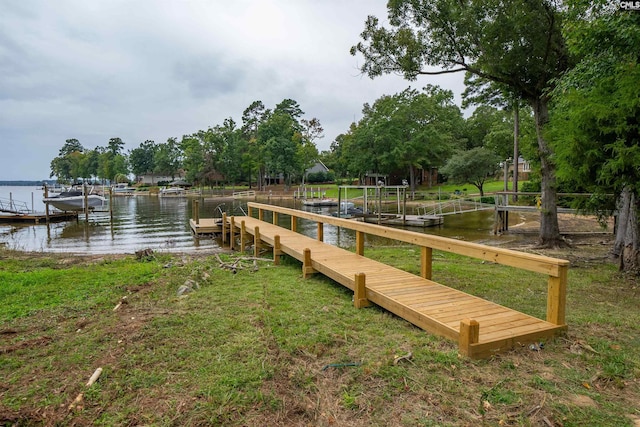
162	224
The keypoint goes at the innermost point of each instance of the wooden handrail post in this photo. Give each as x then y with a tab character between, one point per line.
249	211
275	218
243	236
360	243
294	223
320	231
256	241
307	268
557	297
196	211
360	292
469	334
224	228
232	229
276	250
260	214
426	262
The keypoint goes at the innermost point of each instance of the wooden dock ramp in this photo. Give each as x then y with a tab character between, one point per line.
482	328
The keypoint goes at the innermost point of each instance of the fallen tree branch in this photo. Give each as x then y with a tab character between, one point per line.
78	400
236	263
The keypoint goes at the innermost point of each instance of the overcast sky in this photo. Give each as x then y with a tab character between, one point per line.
155	69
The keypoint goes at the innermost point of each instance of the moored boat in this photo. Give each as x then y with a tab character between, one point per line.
122	189
172	192
74	200
319	202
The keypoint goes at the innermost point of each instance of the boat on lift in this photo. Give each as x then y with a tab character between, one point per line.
74	200
122	189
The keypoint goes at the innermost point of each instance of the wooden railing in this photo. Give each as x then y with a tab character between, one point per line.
555	269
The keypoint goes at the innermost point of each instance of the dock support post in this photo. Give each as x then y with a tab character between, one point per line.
557	297
276	250
359	243
426	259
307	269
294	223
256	241
469	334
86	203
111	207
196	211
275	218
360	292
46	205
232	229
320	232
243	236
224	228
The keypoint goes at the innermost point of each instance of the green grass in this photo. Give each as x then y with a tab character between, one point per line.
43	285
269	348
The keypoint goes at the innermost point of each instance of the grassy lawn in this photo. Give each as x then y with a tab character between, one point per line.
265	347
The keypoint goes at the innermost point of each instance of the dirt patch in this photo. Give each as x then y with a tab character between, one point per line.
35	342
569	224
582	401
587	242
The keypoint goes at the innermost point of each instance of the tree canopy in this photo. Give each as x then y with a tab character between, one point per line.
276	141
407	131
516	43
596	118
474	166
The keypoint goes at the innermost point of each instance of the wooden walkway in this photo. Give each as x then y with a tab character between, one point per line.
481	327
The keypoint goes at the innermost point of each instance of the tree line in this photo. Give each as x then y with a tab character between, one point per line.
401	133
269	143
423	130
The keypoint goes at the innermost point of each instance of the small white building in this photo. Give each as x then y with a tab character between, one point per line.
152	179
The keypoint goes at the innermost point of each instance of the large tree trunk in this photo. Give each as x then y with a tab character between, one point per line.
549	236
516	139
261	177
412	179
626	246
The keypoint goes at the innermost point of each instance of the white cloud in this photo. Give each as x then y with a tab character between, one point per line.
154	69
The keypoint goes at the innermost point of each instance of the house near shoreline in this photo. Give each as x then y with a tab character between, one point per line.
154	179
318	167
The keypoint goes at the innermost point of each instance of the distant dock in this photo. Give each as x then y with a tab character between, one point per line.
37	217
205	226
15	211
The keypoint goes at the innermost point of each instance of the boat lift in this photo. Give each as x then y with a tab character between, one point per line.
375	192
